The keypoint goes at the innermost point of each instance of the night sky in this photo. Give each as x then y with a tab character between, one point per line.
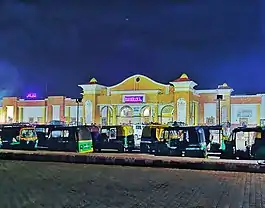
63	43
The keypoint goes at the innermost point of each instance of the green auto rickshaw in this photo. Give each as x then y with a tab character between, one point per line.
70	139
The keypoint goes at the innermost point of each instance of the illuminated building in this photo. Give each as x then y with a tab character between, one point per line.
139	99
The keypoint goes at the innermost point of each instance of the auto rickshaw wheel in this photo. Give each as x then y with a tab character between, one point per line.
97	150
121	149
227	156
130	149
204	154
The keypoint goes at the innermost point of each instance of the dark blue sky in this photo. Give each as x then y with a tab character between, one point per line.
67	42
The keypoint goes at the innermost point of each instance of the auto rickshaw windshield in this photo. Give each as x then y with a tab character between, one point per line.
28	133
84	134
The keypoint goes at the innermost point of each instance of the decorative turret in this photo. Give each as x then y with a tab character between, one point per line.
224	89
92	87
183	83
183	78
224	86
93	81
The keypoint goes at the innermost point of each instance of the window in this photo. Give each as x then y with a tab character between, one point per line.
40	130
31	119
39	119
146	112
173	134
126	112
166	134
244	114
201	136
147	132
60	133
84	134
210	120
113	133
73	119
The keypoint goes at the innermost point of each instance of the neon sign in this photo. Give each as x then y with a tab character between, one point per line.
31	95
133	99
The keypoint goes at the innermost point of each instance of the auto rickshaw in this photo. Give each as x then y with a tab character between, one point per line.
18	136
258	148
182	140
245	143
150	136
95	132
70	139
117	137
43	131
215	137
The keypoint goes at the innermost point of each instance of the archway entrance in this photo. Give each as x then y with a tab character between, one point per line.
146	114
106	116
126	115
167	114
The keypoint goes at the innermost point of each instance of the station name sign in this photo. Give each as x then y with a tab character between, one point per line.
31	95
133	98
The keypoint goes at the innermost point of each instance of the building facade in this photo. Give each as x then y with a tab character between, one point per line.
139	99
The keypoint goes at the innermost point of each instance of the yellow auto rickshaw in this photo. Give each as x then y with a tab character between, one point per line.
118	137
151	134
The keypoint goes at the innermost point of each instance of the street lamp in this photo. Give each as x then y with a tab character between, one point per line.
219	99
78	101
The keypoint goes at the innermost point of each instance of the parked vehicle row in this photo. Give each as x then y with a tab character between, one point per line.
162	140
204	141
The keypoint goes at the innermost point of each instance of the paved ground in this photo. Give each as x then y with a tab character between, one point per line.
34	184
136	155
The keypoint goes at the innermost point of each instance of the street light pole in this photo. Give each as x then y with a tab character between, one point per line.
219	111
219	99
78	101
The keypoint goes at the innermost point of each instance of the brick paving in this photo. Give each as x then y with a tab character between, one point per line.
35	184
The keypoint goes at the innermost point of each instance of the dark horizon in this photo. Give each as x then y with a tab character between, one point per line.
62	45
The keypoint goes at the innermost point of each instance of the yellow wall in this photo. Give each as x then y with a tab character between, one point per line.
258	114
166	96
144	84
1	115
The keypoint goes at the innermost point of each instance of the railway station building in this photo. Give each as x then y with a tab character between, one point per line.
139	99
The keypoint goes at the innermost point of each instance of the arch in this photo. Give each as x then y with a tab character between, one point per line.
126	111
146	114
106	115
182	110
167	113
88	112
126	115
146	111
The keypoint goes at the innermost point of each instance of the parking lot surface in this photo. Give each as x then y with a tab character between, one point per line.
36	184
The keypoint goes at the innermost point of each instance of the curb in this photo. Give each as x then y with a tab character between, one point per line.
132	160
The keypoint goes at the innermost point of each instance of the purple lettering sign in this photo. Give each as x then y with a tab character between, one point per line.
31	95
133	99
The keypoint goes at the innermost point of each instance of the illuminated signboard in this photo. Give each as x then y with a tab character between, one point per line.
133	99
31	95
